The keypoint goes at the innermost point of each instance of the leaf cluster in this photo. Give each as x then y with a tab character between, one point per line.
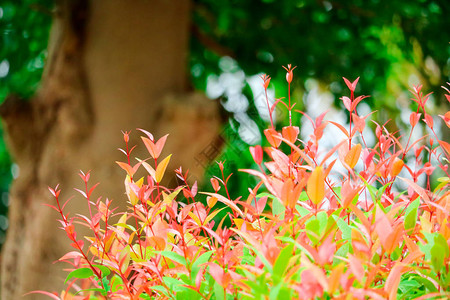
355	220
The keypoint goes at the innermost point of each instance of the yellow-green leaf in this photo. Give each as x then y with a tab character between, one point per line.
169	197
161	169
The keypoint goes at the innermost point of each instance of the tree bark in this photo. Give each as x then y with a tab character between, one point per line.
113	65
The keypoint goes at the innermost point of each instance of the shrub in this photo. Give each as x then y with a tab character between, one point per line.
307	230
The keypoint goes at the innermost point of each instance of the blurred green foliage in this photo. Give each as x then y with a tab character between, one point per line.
382	41
376	39
390	44
24	27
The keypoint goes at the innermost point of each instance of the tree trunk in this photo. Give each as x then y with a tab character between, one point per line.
113	65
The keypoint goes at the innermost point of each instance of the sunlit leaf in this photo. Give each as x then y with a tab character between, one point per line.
316	185
161	169
80	273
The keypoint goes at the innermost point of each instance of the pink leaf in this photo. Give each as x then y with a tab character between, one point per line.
51	295
150	136
347	103
351	85
356	267
194	189
216	272
71	254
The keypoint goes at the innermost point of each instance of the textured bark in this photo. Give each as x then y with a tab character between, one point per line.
113	65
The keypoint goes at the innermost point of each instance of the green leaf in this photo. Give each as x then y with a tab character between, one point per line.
282	261
316	226
116	283
278	208
162	290
411	215
247	257
323	221
101	291
437	257
312	230
105	270
302	211
344	227
439	252
218	291
80	273
196	266
261	257
127	226
372	190
173	256
174	284
274	291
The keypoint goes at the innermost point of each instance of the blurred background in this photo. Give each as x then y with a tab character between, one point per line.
391	44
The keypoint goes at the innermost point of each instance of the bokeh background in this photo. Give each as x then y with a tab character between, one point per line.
391	44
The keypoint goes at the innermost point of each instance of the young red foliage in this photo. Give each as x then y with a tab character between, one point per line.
307	230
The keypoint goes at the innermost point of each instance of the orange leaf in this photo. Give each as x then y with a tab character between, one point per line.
272	137
394	238
352	156
397	166
334	278
126	167
290	193
161	169
315	188
393	280
291	133
211	200
445	146
150	145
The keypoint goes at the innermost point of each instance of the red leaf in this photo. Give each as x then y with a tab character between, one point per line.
356	101
92	189
257	154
